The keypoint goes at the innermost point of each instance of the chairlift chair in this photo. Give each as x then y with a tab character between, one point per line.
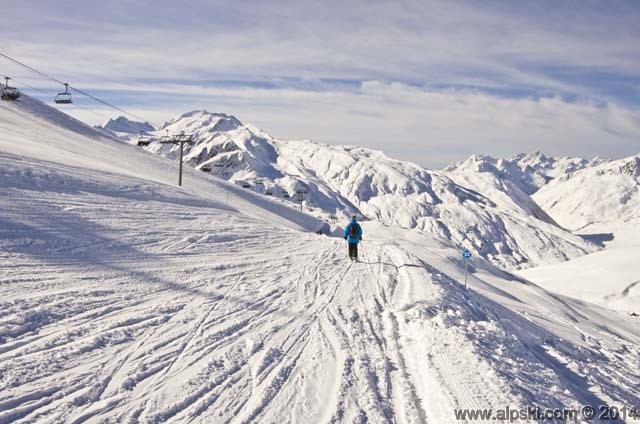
143	140
64	98
9	93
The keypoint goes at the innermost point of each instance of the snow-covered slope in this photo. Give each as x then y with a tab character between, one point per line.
124	298
33	130
610	277
597	199
602	203
501	224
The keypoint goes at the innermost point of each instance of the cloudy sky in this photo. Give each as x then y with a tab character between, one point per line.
427	81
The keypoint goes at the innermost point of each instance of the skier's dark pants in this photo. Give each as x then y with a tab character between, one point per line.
353	250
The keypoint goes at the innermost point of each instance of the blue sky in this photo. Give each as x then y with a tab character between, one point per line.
427	81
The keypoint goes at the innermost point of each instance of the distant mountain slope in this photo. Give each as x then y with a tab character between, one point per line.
528	171
606	193
504	226
123	125
541	169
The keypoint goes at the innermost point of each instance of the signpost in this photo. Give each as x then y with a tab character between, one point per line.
466	254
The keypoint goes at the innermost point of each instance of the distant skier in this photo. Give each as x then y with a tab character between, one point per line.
353	235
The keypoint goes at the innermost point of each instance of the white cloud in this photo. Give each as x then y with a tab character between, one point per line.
431	127
403	61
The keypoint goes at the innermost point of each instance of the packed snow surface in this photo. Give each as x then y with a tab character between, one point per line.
124	298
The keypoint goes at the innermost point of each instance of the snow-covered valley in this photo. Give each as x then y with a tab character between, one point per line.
127	299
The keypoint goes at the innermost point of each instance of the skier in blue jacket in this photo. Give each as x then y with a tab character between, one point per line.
353	235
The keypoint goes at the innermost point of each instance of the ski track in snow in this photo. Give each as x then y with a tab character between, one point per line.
147	312
135	312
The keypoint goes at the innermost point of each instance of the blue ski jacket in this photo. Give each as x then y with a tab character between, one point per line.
347	230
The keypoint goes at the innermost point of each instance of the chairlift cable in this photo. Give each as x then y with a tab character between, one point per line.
31	69
109	105
74	88
51	95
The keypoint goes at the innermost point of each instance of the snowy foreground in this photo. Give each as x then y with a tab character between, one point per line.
126	299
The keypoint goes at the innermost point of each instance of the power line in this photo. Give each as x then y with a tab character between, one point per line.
74	88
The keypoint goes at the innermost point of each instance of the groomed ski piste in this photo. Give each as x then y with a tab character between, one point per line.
124	298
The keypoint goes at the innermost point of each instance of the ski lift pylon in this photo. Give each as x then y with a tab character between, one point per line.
64	98
9	93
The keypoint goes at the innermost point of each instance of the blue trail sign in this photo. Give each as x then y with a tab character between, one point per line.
466	254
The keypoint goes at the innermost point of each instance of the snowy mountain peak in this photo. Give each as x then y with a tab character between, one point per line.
122	124
631	167
533	159
476	163
203	120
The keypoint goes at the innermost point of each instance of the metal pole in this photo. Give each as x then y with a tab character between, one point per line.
465	273
180	166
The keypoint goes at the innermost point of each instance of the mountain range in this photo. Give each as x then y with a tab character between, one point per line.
500	209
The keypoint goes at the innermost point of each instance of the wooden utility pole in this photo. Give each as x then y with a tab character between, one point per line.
180	139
